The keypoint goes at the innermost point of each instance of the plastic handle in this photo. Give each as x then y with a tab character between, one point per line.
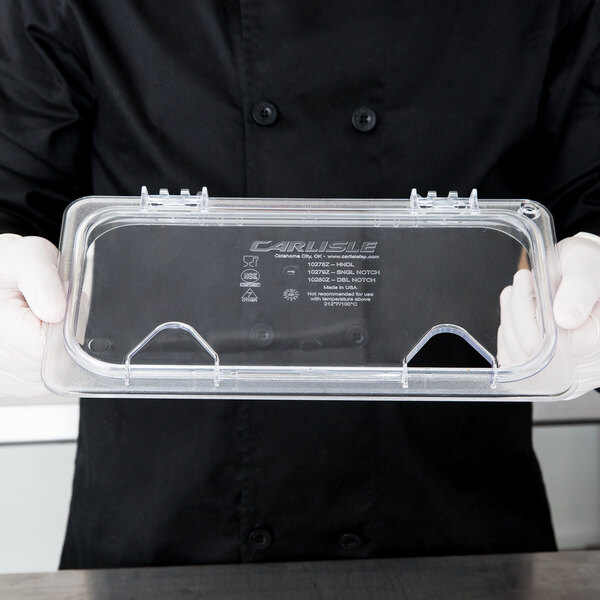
455	330
172	325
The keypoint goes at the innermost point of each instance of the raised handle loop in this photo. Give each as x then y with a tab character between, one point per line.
173	325
455	330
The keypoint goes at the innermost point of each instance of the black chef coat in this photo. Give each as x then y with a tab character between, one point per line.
299	98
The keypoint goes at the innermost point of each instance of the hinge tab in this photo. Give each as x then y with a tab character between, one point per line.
172	201
450	202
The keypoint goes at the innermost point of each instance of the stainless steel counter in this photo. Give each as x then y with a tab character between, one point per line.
558	576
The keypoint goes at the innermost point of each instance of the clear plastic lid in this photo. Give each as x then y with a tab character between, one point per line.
190	296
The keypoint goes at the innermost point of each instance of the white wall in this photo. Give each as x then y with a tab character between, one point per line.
570	460
35	490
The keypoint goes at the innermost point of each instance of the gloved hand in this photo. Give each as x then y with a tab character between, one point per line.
576	307
30	293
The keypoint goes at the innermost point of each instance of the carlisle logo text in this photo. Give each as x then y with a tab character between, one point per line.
288	246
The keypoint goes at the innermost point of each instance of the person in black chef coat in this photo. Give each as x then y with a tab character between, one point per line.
308	99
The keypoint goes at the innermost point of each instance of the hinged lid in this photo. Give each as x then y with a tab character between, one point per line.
190	296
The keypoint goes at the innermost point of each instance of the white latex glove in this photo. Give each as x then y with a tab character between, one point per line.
30	293
576	307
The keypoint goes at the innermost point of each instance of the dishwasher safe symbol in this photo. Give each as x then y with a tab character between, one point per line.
291	294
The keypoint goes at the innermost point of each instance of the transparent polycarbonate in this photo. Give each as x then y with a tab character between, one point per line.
191	296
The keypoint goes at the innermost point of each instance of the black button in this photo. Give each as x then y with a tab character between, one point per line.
262	335
350	541
259	539
264	113
356	335
364	118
